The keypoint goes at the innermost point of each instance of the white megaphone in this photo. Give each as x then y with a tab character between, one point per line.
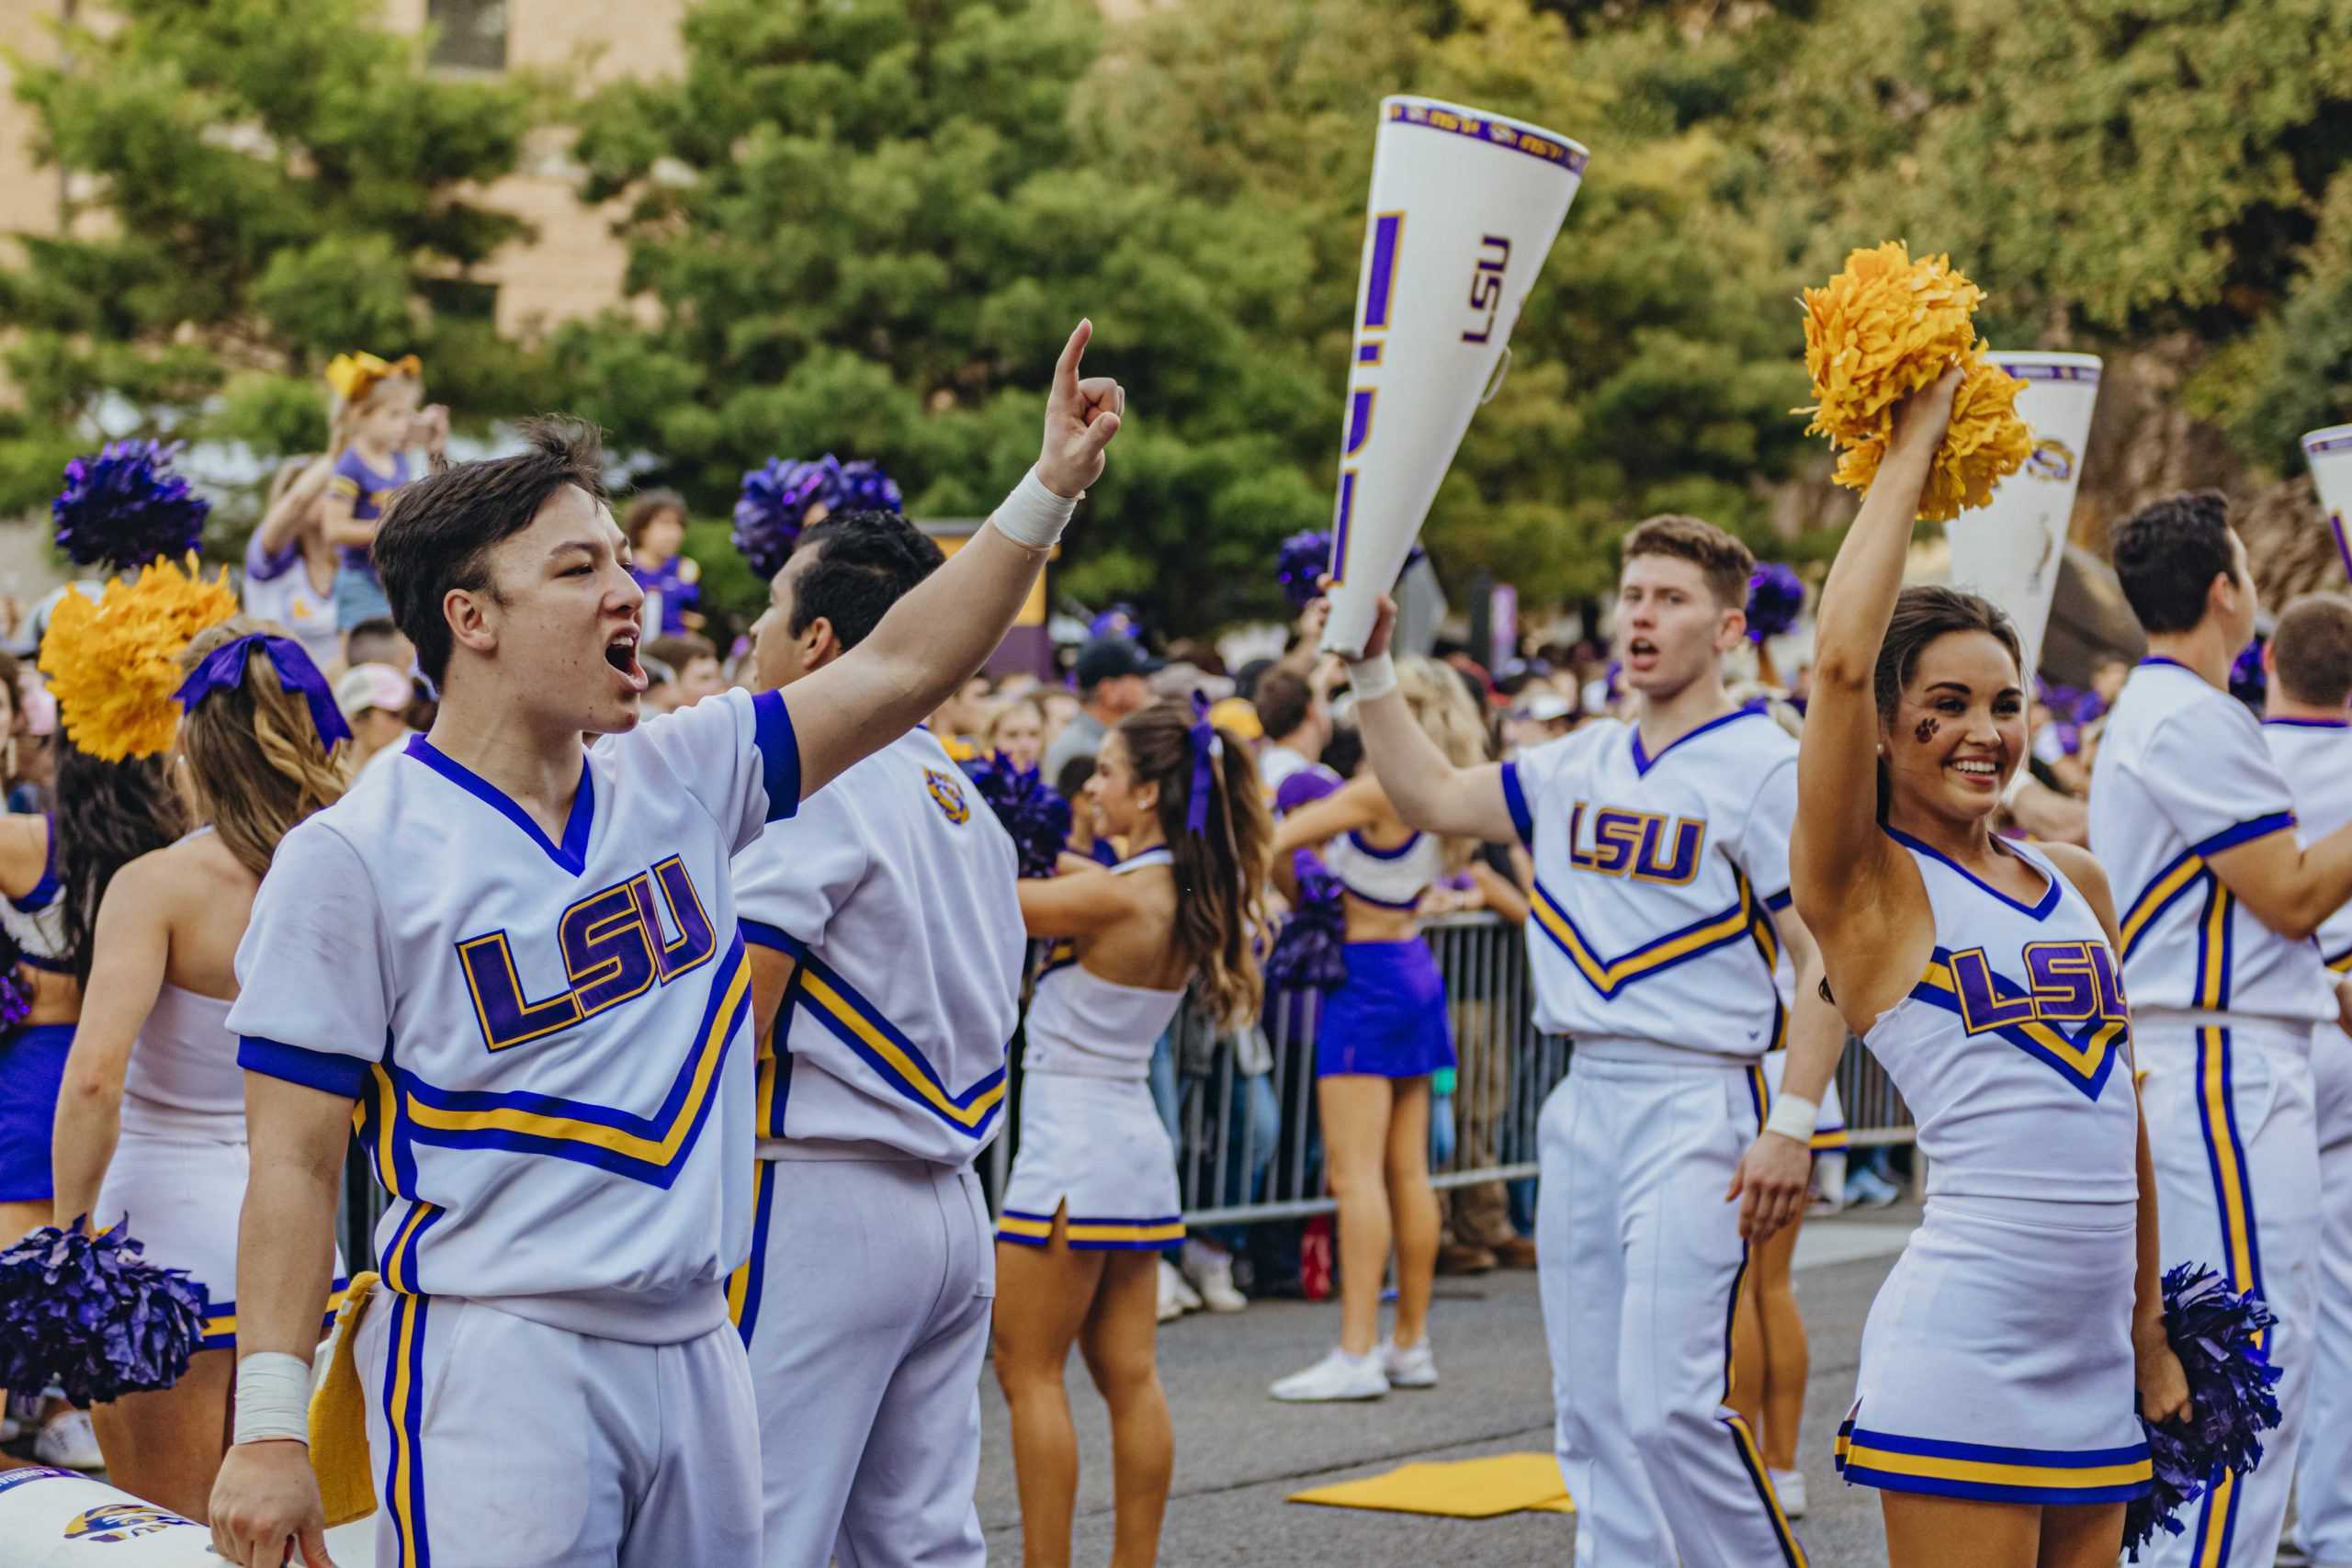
2010	548
1464	207
58	1518
2329	452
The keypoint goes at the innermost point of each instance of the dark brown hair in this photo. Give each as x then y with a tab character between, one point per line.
650	505
1722	559
2312	650
440	530
1220	872
1921	616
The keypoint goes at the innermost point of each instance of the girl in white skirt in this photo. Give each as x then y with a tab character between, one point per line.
1994	1402
1093	1196
151	1122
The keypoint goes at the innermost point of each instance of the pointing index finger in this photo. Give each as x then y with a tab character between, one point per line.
1065	369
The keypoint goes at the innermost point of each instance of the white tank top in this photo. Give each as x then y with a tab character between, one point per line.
183	1077
2013	1048
1089	1026
36	922
1394	878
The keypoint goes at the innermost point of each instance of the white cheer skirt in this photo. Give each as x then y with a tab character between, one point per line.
1997	1365
1094	1148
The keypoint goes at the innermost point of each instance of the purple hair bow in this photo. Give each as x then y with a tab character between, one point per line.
1208	750
223	669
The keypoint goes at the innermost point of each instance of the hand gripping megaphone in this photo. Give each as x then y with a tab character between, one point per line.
1464	207
2329	452
56	1518
2012	548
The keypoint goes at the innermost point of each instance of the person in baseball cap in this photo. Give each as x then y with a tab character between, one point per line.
374	700
1114	681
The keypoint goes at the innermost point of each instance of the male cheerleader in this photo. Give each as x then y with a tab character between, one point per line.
519	957
2195	826
885	951
1661	858
2309	664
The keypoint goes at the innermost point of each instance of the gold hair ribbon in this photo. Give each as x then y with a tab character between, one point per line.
354	376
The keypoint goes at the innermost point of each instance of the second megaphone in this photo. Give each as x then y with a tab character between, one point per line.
1464	207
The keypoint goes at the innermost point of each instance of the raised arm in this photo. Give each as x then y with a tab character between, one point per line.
129	947
1077	904
935	638
1837	857
1427	790
1356	804
281	525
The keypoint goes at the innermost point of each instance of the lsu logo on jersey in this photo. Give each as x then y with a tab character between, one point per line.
122	1521
614	946
2068	1009
1644	845
947	794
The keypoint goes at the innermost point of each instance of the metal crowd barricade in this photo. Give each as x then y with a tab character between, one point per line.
1249	1146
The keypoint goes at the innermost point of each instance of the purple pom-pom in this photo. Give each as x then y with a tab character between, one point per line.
91	1315
125	507
1303	561
1032	810
775	499
1311	951
1775	600
1119	620
2247	682
2231	1399
16	995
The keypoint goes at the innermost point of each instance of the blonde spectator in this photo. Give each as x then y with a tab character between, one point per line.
1016	730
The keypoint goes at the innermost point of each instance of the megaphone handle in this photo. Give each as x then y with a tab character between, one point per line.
1495	381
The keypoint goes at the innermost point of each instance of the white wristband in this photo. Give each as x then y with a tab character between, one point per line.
272	1398
1034	515
1793	1116
1374	677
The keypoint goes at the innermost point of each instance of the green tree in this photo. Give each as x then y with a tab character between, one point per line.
260	183
867	227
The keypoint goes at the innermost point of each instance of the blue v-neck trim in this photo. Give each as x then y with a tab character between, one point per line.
2039	911
1643	762
2310	723
572	854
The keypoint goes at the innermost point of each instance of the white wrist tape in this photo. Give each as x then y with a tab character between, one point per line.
1034	515
1372	677
272	1398
1794	1117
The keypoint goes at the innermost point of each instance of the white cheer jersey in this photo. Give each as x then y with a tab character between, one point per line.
546	1039
1086	1026
1655	883
2315	756
2181	774
2013	1048
894	891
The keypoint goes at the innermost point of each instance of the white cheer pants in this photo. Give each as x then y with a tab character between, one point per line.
2230	1124
2324	1477
865	1307
1640	1262
498	1442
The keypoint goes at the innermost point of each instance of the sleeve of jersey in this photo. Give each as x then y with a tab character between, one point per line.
261	566
350	479
790	883
737	753
314	999
1761	851
2216	784
1524	779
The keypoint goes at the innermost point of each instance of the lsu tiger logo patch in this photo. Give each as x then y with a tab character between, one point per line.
2051	459
122	1521
947	794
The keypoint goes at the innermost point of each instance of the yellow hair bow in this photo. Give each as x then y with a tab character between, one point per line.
354	376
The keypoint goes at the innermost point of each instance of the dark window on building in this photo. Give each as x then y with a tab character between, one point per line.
468	34
461	299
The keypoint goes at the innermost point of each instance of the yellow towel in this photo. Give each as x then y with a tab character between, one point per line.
339	1417
1461	1489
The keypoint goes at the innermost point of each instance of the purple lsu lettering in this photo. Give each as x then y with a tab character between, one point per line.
2067	982
1643	845
614	947
1486	284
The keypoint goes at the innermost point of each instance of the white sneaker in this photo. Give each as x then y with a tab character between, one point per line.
69	1441
1176	1298
1337	1376
1409	1366
1789	1486
1211	1273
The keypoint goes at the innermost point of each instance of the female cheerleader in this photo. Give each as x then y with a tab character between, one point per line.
151	1124
1382	1034
1092	1196
1994	1404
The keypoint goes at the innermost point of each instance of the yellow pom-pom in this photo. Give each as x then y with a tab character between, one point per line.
1985	442
1877	332
113	663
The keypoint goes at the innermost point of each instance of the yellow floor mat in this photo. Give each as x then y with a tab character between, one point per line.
1461	1489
